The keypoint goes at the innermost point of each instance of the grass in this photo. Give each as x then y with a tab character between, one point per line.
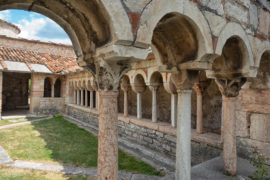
59	141
7	173
17	120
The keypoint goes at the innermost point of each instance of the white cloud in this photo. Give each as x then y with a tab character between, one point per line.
42	29
5	15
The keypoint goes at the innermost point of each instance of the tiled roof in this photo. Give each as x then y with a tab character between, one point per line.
55	63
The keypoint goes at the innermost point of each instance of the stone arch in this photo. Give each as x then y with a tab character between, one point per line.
47	87
87	23
260	51
119	22
125	80
57	88
235	30
262	80
159	9
156	78
138	72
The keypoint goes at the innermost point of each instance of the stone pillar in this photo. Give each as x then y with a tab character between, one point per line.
78	97
125	89
173	109
125	103
91	99
74	97
37	91
81	91
139	106
52	87
108	136
154	103
198	88
229	89
229	136
86	98
183	144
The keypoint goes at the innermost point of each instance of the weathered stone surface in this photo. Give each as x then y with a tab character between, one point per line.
236	12
245	3
259	127
214	5
216	23
242	124
264	21
253	16
136	6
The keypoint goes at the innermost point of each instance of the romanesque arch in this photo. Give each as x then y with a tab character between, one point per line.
57	88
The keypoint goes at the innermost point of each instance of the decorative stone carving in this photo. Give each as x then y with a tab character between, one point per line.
230	87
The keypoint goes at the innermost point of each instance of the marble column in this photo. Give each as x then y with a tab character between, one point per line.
173	109
52	87
126	103
139	106
78	97
86	98
91	99
229	89
81	91
74	97
183	144
198	88
229	136
108	136
154	103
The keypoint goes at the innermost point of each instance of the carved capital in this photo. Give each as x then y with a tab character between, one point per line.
230	87
108	75
184	79
199	88
153	87
125	87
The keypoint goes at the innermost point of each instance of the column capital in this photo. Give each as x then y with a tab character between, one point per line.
125	87
108	74
199	88
154	87
230	87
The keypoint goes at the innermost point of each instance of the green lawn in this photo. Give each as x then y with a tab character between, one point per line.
17	120
7	173
59	141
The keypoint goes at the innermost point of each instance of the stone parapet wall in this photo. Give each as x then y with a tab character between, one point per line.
51	106
159	137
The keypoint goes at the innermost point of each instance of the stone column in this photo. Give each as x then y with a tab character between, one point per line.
173	109
86	98
154	103
139	106
91	99
78	97
229	136
81	91
108	136
198	88
74	97
183	144
229	89
52	87
125	89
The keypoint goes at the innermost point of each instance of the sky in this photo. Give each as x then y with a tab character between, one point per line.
35	26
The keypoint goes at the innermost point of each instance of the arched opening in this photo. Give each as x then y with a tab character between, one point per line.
162	98
232	61
175	39
125	88
47	87
57	88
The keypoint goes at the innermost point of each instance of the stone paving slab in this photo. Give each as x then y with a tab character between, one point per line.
4	157
75	170
23	123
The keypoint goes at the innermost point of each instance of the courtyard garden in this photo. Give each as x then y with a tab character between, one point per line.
57	141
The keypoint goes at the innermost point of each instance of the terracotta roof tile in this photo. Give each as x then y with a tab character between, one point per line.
55	63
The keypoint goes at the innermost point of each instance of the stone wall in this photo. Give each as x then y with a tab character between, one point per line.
51	106
161	142
253	121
